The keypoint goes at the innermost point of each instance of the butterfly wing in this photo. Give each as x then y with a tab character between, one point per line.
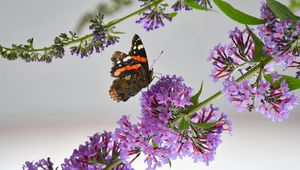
123	65
138	53
123	88
132	71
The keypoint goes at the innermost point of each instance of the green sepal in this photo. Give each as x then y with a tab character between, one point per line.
236	14
281	11
170	163
293	82
184	124
206	125
118	32
154	144
172	14
165	5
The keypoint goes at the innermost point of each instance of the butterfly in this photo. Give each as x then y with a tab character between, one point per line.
131	71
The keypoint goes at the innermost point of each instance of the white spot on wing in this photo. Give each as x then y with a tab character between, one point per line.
126	58
140	47
118	62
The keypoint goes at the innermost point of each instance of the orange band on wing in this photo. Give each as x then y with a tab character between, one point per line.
139	58
121	70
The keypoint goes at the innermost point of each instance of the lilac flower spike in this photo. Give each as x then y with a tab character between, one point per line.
100	151
102	38
180	5
154	136
280	37
39	165
273	102
153	18
161	142
228	58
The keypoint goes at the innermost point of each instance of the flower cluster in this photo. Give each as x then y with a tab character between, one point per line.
97	153
39	165
280	37
158	139
153	17
181	5
274	102
158	135
236	55
102	38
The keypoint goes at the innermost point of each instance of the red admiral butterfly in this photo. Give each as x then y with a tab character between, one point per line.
132	71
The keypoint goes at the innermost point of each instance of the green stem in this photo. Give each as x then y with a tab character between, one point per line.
242	78
109	25
114	164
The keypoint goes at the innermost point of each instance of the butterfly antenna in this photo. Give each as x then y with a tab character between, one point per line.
154	61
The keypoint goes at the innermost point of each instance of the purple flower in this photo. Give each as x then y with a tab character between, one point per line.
280	37
180	5
278	101
100	151
160	141
40	165
153	18
102	38
230	57
273	102
157	135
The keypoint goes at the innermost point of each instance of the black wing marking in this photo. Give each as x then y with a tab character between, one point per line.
121	60
137	49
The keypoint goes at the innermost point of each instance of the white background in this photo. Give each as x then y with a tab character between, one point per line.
49	109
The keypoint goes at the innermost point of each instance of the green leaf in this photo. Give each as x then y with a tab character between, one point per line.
294	5
195	5
293	82
172	14
154	144
237	15
195	99
205	125
281	11
259	54
183	125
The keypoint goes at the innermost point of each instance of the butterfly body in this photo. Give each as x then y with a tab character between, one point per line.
131	71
